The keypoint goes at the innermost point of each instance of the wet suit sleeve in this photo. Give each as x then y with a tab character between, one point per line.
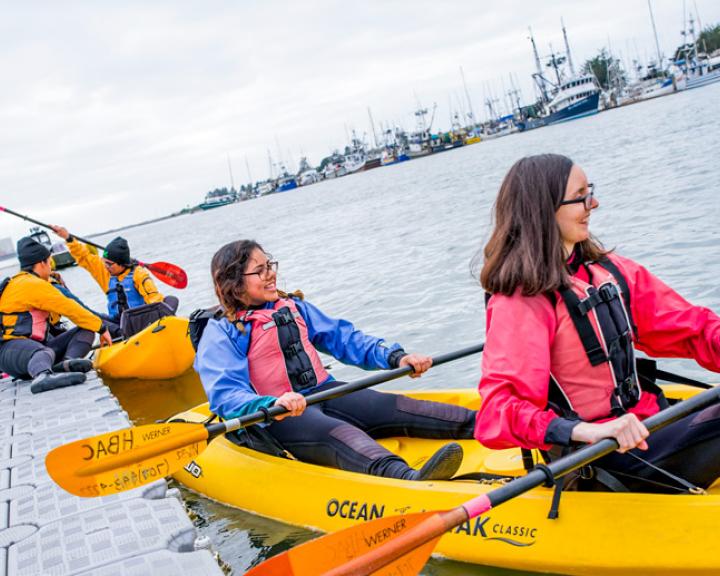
668	325
515	376
340	339
146	286
91	262
44	296
221	362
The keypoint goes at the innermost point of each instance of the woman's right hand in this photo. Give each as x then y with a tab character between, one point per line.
294	403
627	430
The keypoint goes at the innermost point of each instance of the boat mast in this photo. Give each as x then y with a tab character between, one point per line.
372	125
567	49
232	182
657	44
555	62
471	114
270	165
247	167
538	76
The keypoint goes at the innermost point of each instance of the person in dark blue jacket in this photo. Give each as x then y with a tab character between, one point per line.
264	352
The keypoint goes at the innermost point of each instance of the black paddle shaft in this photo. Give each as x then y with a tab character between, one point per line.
592	452
44	225
336	392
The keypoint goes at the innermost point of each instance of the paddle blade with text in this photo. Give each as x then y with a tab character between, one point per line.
124	459
337	549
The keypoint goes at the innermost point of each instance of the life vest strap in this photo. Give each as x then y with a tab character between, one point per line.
594	350
283	321
610	266
298	365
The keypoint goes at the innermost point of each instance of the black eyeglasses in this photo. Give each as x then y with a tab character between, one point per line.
587	200
264	270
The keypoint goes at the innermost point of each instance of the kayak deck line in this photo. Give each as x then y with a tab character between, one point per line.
47	530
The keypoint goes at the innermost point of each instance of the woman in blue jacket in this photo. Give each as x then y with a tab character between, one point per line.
264	352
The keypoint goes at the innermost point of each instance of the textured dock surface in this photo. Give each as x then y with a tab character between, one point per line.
46	531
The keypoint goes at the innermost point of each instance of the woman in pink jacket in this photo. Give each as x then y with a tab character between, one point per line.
564	316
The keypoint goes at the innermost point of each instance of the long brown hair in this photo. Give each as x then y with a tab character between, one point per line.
525	249
227	268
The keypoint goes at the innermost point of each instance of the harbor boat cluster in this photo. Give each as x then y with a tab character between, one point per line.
563	92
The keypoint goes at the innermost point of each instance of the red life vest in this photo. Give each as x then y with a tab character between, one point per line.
594	372
281	357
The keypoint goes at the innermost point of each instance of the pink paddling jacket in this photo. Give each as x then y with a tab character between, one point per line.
531	338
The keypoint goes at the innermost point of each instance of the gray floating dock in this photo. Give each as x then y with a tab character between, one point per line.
44	530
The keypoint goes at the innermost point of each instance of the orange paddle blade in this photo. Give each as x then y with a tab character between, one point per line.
124	459
170	274
333	551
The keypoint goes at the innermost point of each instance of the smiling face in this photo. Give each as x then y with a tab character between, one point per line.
574	219
260	280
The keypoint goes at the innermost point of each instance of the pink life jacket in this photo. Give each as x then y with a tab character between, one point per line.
39	324
594	373
281	357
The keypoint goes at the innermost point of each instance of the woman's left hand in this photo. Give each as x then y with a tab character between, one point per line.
418	362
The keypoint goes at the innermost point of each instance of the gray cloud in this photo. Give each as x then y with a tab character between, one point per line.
112	113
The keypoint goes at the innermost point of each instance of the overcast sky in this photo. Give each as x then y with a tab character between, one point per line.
116	112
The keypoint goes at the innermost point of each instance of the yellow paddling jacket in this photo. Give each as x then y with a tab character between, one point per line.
94	264
28	304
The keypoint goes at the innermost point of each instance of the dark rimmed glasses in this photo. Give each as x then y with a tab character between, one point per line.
586	200
264	270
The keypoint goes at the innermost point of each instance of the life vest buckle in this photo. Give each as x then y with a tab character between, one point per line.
306	376
283	317
293	349
607	292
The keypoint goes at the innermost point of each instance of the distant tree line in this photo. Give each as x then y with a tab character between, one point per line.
709	39
606	69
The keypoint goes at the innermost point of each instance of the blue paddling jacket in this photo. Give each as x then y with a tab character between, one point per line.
223	364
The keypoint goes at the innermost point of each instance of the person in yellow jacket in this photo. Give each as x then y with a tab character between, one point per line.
29	303
126	284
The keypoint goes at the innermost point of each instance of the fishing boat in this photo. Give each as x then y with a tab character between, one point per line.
653	85
596	533
286	182
701	69
160	351
393	155
568	96
308	177
217	198
373	159
265	188
354	161
60	254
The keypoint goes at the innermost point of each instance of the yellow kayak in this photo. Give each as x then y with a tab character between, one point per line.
596	533
163	350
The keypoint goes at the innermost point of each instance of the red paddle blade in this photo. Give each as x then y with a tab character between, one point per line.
332	552
170	274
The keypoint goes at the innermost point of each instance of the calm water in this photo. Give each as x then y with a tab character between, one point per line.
390	250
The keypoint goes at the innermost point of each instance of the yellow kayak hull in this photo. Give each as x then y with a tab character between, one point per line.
596	533
163	350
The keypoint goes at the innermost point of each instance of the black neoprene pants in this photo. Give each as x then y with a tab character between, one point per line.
341	433
26	358
689	448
